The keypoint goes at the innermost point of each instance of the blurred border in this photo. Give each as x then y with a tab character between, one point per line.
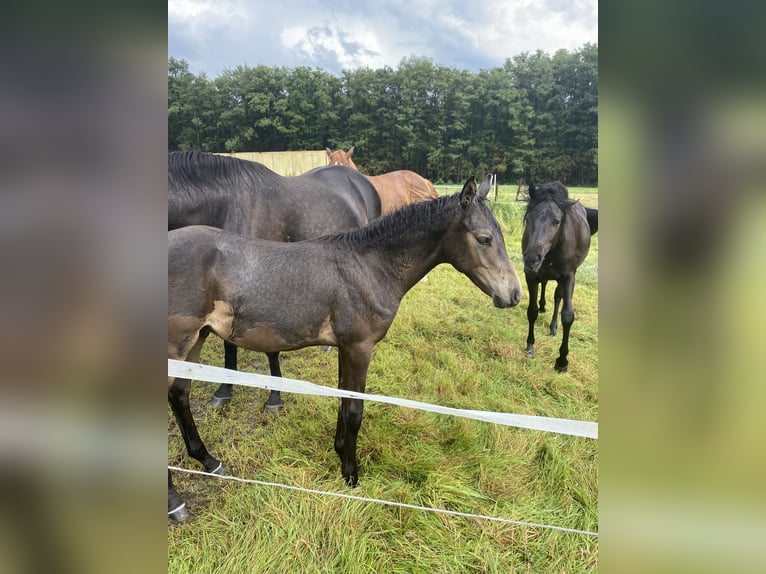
682	147
82	225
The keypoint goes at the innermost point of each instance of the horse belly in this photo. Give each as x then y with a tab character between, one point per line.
269	337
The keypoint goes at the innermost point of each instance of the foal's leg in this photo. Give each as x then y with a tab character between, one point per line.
274	404
567	318
176	506
178	397
556	303
224	393
352	366
531	315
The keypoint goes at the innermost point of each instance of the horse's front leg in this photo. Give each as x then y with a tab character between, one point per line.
556	302
543	285
567	318
532	312
225	392
353	363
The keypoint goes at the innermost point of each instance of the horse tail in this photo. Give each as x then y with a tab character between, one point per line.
371	199
592	217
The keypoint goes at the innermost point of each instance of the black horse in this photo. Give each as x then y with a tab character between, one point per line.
555	242
342	290
247	198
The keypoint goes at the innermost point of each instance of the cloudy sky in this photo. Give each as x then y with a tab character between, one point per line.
335	35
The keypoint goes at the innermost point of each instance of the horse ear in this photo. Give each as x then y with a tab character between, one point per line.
532	188
468	192
485	187
329	151
350	151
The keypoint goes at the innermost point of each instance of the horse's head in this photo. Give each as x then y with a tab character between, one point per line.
340	157
475	247
546	210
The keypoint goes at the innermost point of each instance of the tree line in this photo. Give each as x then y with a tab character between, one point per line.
535	118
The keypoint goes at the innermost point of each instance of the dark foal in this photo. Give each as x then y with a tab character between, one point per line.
247	198
342	290
555	242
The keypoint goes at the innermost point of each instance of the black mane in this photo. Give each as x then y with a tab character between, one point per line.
553	191
202	170
388	231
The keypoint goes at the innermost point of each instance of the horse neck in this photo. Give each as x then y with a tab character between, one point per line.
407	256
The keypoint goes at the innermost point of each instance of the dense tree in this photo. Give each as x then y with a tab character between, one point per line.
536	117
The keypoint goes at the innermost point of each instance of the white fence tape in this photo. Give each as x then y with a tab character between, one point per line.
220	375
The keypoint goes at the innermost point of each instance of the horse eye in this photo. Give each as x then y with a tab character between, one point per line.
484	240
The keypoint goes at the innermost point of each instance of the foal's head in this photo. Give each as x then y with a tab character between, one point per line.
546	211
340	157
475	247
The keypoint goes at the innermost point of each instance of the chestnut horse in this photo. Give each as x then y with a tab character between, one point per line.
342	290
395	188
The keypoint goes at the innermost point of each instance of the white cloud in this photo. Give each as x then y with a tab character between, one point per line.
331	35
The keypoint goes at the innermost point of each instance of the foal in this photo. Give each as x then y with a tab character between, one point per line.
342	290
555	242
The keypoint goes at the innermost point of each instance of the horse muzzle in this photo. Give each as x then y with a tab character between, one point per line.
512	301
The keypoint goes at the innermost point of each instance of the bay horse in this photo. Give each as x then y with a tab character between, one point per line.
247	198
395	188
555	241
342	290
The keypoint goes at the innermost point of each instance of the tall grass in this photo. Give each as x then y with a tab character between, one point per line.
448	345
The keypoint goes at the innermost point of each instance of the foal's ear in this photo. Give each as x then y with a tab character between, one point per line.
532	189
329	151
485	187
350	151
468	192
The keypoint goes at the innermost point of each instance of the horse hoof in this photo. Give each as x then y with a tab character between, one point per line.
220	470
327	348
351	481
271	409
561	368
179	514
530	353
218	402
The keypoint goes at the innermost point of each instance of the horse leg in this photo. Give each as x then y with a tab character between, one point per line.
176	506
225	392
274	404
353	363
556	302
532	311
543	285
567	318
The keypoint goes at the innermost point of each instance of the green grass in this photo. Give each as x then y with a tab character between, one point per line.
450	346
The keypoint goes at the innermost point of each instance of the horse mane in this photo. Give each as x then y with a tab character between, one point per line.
552	191
389	230
194	169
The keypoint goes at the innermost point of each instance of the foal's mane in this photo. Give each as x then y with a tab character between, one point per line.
553	191
388	231
197	169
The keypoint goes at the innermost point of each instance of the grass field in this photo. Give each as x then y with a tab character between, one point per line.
449	346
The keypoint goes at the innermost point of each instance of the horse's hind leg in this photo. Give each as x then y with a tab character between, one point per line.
274	404
225	392
178	397
176	506
556	302
567	318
